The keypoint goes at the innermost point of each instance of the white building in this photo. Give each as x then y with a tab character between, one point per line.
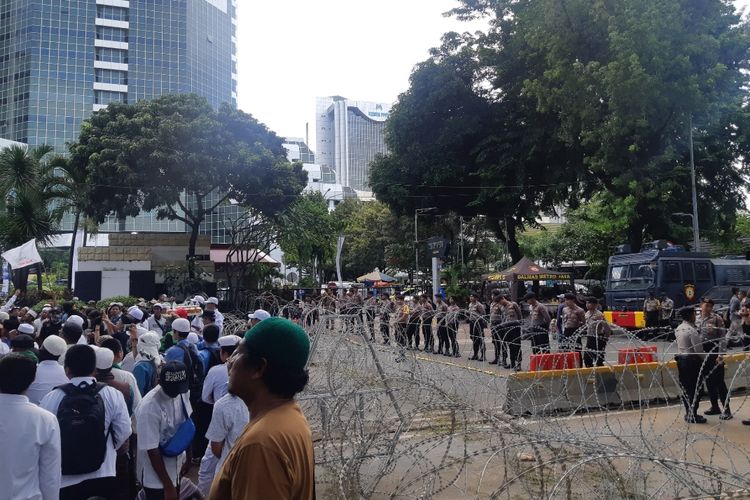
349	134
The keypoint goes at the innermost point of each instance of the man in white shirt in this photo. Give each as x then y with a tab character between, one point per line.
49	373
77	450
215	386
119	374
29	437
158	417
228	421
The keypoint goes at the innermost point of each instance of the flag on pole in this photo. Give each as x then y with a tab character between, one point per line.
23	256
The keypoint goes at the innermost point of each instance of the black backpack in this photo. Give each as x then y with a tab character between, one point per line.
215	357
194	370
82	439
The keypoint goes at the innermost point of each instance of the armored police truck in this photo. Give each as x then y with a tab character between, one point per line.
665	269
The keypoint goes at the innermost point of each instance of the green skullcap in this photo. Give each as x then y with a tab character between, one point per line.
280	341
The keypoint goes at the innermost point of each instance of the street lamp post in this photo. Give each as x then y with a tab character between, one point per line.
693	220
416	240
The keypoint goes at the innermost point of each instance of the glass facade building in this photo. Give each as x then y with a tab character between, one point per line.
349	134
61	60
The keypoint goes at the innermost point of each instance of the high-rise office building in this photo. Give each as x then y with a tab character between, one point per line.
349	134
60	60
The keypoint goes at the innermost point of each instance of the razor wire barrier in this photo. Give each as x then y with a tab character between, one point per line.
394	422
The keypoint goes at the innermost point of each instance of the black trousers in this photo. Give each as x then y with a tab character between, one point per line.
501	349
539	340
652	319
476	329
745	337
452	330
512	339
385	329
102	487
401	329
202	418
370	318
688	370
442	335
571	341
412	334
429	340
715	383
595	350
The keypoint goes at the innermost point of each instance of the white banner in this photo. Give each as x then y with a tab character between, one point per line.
23	256
6	278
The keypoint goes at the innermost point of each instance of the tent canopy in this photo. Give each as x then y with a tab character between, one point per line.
526	270
376	275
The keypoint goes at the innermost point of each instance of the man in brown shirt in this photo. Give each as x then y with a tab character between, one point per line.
273	459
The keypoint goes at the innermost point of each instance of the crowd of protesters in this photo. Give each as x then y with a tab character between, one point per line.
120	403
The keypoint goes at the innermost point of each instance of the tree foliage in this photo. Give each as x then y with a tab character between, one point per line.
179	156
308	234
625	79
562	99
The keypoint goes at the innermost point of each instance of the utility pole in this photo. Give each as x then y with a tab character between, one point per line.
696	233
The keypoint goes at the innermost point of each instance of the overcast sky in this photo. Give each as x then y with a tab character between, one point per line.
295	50
290	52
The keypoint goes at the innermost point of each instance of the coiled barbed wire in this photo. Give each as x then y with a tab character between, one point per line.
389	422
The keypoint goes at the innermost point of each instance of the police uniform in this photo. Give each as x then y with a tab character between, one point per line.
689	362
651	311
496	319
511	331
476	330
598	331
441	310
426	316
540	321
713	334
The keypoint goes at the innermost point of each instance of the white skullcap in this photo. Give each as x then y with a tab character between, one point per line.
25	328
181	325
193	338
76	320
54	345
104	358
229	340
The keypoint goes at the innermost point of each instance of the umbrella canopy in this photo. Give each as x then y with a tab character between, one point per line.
526	270
376	275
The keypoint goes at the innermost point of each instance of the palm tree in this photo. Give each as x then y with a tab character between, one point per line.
67	187
25	197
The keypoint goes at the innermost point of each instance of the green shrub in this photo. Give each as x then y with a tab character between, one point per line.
39	305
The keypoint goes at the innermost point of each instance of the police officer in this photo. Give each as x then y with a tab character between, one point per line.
496	319
651	310
476	327
387	307
689	362
511	331
597	334
714	335
441	311
539	320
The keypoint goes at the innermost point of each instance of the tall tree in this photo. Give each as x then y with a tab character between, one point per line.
70	192
308	234
26	196
626	80
458	144
179	156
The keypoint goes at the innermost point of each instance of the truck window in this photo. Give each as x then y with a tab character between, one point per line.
702	271
618	276
688	276
671	272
